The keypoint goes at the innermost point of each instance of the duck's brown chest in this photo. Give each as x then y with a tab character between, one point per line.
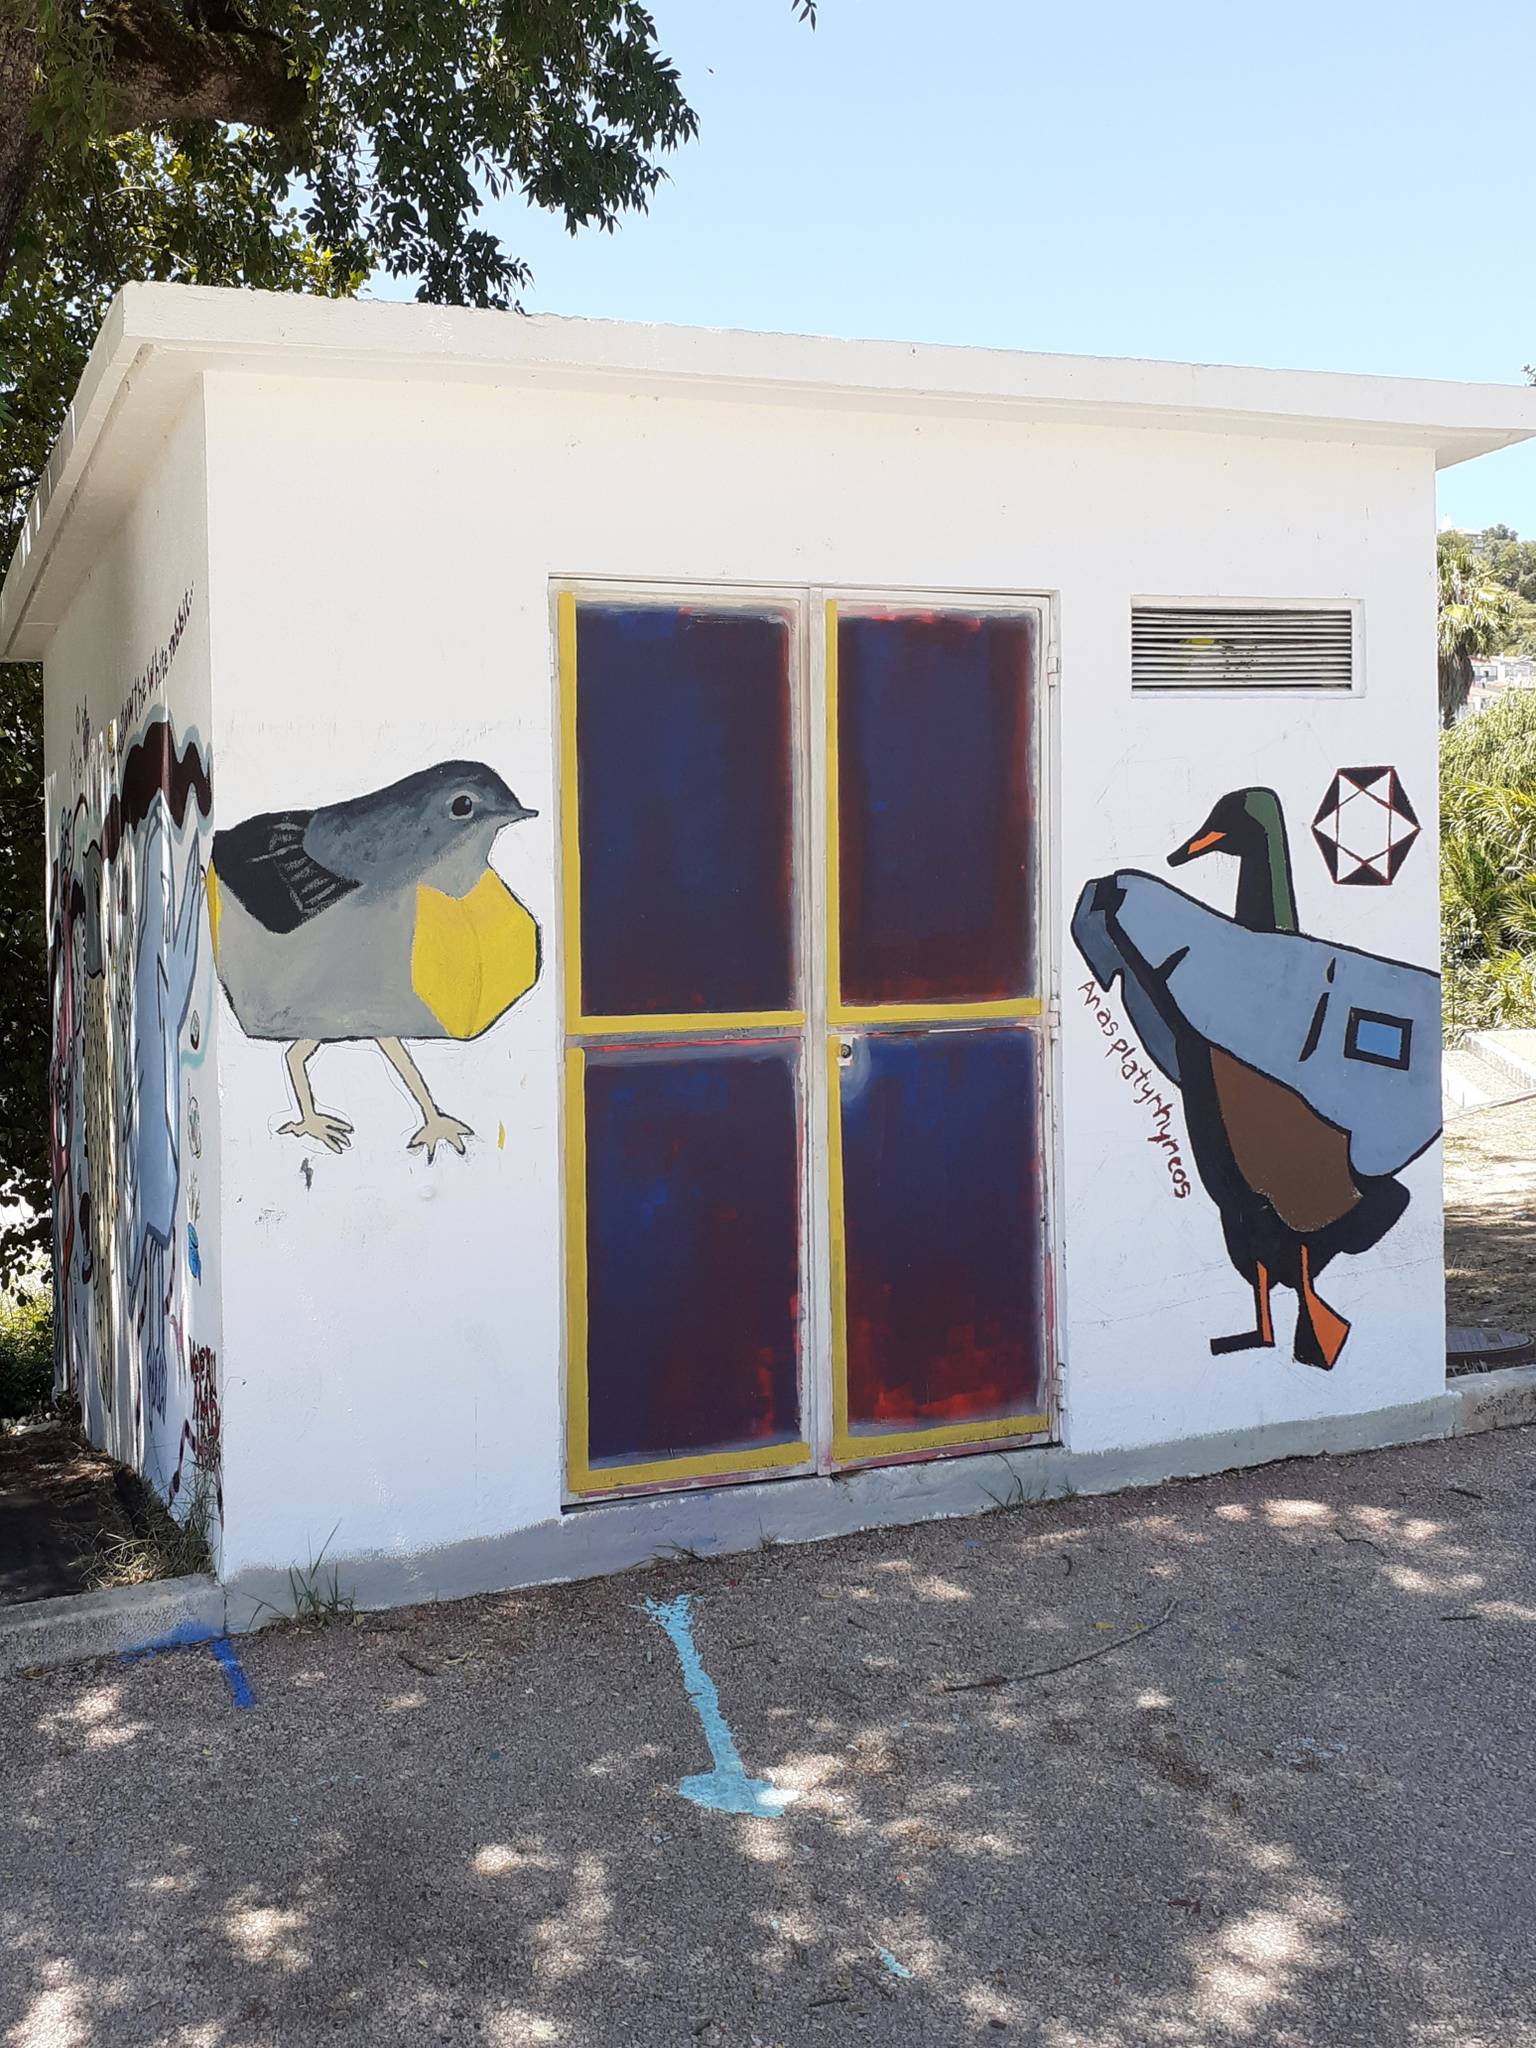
1283	1149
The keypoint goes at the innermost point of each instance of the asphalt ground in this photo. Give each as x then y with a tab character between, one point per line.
1287	1799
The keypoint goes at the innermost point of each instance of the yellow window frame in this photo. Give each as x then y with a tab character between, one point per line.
582	1477
850	1446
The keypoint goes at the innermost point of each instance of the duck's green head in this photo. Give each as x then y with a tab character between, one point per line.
1250	824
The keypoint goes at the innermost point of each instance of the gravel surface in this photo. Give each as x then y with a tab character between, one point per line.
1490	1217
1298	1813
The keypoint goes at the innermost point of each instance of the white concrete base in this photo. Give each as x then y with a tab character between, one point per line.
76	1626
614	1536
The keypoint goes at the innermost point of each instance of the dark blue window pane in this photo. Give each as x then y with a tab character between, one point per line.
935	808
941	1220
693	1250
683	770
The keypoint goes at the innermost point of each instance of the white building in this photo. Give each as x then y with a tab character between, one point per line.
617	975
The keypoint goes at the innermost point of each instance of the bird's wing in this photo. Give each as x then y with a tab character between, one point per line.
1355	1035
263	865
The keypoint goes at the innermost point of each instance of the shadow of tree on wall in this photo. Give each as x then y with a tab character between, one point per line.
1299	1812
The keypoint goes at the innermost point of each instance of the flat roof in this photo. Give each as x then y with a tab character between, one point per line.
157	339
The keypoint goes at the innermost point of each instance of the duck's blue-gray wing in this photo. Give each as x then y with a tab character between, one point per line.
1356	1036
1097	938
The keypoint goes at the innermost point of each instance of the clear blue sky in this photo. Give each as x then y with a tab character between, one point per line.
1339	187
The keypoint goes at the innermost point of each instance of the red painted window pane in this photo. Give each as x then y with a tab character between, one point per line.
941	1227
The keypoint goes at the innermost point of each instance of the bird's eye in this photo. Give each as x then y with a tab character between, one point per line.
462	806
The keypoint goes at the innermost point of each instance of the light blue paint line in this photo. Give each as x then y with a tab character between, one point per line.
727	1788
239	1685
896	1969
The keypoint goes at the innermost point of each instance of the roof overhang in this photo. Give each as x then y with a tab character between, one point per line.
157	340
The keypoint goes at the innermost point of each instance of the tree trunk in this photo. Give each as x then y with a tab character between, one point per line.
162	68
21	147
1455	683
166	69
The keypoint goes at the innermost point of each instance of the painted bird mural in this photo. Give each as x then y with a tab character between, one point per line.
378	917
1310	1072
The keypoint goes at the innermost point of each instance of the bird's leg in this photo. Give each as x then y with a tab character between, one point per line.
1320	1330
334	1132
436	1128
1262	1335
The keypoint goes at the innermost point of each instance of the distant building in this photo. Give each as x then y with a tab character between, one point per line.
1505	671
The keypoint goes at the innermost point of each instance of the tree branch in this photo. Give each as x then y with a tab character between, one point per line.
21	146
165	69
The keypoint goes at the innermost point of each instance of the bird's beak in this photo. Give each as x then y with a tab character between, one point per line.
1192	849
517	814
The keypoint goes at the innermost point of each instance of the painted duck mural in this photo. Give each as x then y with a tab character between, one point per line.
1310	1072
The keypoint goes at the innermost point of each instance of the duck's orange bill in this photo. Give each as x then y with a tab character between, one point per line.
1199	845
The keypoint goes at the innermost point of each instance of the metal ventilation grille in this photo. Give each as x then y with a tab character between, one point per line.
1188	647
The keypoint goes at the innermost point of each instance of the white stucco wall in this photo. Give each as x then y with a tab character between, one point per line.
380	563
132	650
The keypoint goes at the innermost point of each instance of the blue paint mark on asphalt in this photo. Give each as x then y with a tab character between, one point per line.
239	1684
193	1635
896	1969
182	1637
727	1788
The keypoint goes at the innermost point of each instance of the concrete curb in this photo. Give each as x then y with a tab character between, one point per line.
76	1626
1504	1399
1494	1048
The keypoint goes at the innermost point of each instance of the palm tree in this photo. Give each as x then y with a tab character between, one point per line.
1476	617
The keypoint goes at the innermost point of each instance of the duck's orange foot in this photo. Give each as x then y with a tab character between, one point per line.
1320	1330
1262	1335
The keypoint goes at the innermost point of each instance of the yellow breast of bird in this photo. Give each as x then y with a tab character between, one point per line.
472	956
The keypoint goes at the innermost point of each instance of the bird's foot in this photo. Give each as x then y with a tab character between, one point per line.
333	1132
1320	1335
1245	1340
436	1130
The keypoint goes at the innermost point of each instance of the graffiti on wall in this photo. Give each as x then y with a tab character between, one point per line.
125	951
378	918
1309	1071
201	1433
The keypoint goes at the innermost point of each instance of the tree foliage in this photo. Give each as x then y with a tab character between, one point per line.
1476	617
291	145
1500	556
396	121
1488	866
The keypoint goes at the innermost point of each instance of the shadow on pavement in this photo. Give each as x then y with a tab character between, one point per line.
1300	1812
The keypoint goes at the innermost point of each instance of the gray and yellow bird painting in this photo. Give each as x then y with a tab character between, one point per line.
378	917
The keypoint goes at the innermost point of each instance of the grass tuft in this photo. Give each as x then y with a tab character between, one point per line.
26	1349
149	1542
